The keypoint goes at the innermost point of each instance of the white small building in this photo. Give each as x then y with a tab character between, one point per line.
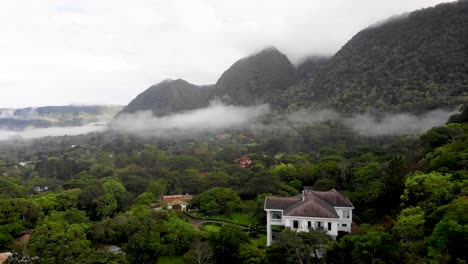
176	202
330	211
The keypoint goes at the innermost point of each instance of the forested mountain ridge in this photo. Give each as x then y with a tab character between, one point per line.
414	62
248	81
170	96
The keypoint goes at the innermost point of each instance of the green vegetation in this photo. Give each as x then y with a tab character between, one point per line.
171	260
210	227
412	63
75	194
236	218
409	194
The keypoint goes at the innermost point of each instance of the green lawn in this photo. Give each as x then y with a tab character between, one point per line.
238	218
260	241
171	260
211	228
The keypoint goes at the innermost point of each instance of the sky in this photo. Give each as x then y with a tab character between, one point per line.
60	52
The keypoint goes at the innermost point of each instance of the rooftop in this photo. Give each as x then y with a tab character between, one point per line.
176	198
314	204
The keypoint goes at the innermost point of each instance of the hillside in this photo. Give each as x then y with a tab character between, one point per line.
256	79
414	62
169	97
60	116
309	67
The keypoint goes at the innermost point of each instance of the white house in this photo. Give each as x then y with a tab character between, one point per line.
176	202
330	211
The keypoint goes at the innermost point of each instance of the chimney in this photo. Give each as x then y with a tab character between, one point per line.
303	196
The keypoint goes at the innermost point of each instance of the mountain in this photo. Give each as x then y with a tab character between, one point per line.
309	67
55	116
256	79
170	97
414	62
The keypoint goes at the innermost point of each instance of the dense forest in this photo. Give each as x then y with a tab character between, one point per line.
412	62
77	196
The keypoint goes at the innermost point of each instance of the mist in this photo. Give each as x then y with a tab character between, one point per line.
402	124
218	116
215	117
33	133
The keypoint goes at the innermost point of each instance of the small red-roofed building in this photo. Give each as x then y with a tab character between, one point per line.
176	202
330	211
244	161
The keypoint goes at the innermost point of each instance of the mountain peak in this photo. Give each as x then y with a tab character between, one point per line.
255	78
170	96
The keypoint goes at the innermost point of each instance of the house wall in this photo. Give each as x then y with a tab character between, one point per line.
287	221
303	224
345	221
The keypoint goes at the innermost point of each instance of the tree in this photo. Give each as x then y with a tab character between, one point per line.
219	200
200	253
182	162
298	247
17	216
178	235
61	238
409	229
449	239
428	190
227	242
372	246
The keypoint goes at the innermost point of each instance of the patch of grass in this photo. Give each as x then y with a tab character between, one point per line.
242	218
170	260
259	242
237	218
211	227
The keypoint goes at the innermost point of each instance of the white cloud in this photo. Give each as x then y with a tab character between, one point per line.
32	133
82	51
215	117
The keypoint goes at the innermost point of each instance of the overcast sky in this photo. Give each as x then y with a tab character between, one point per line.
57	52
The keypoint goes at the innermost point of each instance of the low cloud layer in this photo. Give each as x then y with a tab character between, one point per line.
215	117
32	133
397	124
218	117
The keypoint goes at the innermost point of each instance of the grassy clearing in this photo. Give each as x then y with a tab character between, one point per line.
211	228
260	241
170	260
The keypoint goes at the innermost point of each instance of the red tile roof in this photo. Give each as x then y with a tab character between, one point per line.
176	198
314	204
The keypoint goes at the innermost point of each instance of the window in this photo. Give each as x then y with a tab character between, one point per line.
345	214
319	224
329	226
309	224
295	224
344	225
276	215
